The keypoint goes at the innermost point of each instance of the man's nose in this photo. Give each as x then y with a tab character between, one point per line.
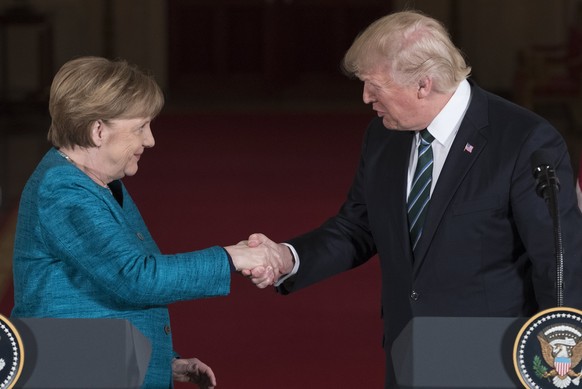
367	95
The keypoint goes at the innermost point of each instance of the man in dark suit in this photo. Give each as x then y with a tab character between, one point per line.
485	248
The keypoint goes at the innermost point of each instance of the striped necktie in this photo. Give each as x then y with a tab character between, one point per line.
420	190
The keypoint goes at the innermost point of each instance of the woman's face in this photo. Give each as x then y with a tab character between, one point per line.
124	141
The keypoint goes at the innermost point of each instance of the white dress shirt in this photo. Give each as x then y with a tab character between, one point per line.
444	128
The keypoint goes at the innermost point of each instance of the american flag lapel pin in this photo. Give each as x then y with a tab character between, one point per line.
468	148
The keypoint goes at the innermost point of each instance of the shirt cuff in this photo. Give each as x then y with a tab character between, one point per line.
295	265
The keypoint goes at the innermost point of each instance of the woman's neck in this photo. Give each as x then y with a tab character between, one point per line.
84	159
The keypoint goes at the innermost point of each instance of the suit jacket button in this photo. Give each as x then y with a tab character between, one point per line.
167	329
140	236
414	295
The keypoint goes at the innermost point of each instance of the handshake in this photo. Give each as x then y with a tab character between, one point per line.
261	259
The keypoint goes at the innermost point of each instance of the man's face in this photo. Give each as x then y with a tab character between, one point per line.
399	106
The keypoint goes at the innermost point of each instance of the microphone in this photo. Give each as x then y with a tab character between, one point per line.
544	173
547	187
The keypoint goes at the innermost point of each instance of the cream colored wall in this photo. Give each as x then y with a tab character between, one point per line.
493	38
491	32
79	29
143	34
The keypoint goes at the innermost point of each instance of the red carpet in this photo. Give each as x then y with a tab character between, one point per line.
7	226
215	179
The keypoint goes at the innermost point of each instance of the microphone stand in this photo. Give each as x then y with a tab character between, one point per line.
547	188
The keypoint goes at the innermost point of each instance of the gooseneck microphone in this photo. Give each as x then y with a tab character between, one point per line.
547	187
545	175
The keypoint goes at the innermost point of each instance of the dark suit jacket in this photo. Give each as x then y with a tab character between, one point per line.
487	247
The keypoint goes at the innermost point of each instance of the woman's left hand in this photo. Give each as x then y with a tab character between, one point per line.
195	371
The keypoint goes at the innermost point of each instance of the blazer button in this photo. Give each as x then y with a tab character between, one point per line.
167	329
140	236
414	295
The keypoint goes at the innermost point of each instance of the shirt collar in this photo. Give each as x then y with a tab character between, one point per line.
448	121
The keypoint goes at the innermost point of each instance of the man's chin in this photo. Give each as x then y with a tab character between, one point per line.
388	124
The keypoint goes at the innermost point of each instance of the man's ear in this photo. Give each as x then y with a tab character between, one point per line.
424	87
97	132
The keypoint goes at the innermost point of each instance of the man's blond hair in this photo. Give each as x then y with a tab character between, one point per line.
410	46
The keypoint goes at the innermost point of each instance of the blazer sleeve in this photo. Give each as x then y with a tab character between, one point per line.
115	251
342	243
534	222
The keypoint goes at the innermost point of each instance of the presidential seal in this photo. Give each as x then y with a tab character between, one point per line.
548	349
11	354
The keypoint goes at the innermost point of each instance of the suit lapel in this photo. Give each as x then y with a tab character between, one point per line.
390	179
402	150
468	144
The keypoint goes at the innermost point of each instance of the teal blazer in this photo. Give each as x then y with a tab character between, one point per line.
81	251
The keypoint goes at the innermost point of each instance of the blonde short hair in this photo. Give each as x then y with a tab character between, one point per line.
88	89
411	46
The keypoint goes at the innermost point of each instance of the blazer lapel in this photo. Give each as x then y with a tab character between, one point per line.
465	150
402	151
390	179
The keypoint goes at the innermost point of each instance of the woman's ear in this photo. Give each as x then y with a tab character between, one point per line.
97	132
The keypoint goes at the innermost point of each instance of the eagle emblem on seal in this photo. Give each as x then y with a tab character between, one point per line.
561	347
